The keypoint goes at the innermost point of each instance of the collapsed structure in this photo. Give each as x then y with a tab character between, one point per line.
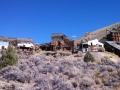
59	41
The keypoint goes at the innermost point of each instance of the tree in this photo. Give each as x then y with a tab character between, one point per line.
88	57
9	57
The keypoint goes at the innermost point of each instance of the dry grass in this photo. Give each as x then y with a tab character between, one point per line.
112	54
101	49
97	60
106	57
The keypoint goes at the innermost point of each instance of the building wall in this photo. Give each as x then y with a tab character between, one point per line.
93	42
114	36
5	44
25	44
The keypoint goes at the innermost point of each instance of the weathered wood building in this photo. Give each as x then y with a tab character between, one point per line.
114	36
59	41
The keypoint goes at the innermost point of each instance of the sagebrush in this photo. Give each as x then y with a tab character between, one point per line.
9	57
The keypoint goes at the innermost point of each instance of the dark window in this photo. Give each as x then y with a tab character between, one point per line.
91	44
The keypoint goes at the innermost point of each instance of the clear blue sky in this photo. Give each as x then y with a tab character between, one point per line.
37	19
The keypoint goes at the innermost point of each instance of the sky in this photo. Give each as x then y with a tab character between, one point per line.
38	19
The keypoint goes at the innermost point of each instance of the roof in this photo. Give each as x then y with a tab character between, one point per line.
94	42
24	39
57	34
114	44
60	34
90	41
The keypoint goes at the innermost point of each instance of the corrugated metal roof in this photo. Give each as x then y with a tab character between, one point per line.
114	44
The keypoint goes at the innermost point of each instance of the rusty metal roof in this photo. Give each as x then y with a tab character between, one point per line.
114	44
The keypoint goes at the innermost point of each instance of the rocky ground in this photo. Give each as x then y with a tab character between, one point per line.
41	72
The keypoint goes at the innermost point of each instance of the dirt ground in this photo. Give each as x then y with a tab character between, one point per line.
100	55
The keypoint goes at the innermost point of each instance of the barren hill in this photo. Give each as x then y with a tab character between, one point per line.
97	34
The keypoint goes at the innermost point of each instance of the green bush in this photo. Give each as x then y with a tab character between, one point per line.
9	57
88	57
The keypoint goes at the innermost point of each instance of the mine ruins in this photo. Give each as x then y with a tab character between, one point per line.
27	45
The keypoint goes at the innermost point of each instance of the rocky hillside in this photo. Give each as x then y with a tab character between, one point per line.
98	34
41	72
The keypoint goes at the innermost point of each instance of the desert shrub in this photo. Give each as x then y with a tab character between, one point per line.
17	76
106	57
115	75
97	60
101	49
102	68
22	67
9	57
96	74
88	57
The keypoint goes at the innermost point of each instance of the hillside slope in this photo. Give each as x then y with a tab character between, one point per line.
97	34
41	72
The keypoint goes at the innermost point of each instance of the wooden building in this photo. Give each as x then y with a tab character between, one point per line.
59	41
114	35
46	47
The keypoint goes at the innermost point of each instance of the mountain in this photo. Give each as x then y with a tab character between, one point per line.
99	34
